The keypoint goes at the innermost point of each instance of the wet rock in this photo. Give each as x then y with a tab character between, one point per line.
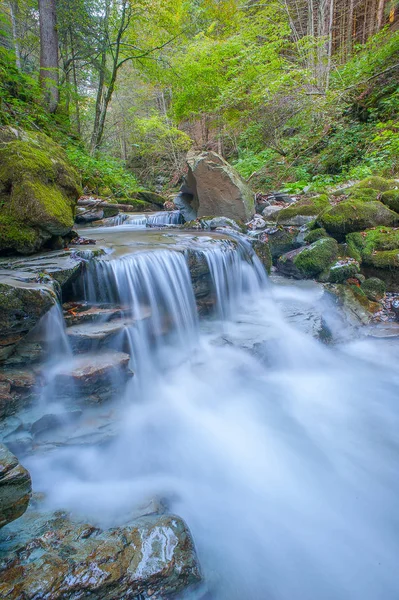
85	336
187	205
217	188
374	289
94	378
262	251
22	304
62	266
57	558
88	216
15	488
356	308
38	191
76	313
16	390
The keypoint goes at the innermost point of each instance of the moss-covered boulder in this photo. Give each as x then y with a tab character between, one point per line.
378	249
282	240
315	234
376	183
356	307
354	215
374	289
343	270
303	211
311	261
38	191
391	199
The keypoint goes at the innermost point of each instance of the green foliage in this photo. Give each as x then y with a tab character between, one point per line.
103	175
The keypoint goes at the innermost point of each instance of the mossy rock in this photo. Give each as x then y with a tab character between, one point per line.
151	198
376	183
316	234
378	249
282	240
354	215
391	199
343	270
262	251
303	211
374	289
357	308
364	194
311	261
38	191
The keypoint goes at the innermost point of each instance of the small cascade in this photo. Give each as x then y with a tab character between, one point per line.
152	283
141	221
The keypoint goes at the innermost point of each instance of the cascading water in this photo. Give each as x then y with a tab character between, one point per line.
158	219
280	452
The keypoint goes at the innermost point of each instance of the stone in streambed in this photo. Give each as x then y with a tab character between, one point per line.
58	558
15	487
94	378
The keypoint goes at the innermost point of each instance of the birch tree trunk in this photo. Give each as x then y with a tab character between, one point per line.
49	76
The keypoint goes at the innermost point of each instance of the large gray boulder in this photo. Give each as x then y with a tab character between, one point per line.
15	487
217	188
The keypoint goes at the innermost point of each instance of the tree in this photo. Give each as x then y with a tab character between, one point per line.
49	75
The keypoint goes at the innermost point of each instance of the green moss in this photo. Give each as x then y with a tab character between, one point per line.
376	183
262	251
307	207
343	270
38	191
364	194
316	234
377	247
391	199
316	258
374	289
351	215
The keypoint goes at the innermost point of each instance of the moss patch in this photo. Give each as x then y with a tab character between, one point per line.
308	207
316	234
374	289
391	199
315	259
38	191
354	215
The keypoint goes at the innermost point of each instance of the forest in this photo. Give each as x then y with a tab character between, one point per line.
294	93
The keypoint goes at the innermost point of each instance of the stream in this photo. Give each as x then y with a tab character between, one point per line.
277	447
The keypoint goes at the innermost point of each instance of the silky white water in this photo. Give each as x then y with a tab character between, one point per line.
280	452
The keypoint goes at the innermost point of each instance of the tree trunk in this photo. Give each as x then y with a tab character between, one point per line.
14	11
49	76
380	14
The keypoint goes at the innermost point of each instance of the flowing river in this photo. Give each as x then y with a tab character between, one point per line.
280	450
